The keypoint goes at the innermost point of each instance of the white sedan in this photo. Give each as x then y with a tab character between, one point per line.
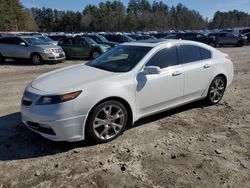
98	100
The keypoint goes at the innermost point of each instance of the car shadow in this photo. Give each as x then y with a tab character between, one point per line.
17	142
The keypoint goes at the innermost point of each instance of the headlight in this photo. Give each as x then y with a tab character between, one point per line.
46	100
47	51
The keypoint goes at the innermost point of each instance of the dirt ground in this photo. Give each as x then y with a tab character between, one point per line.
191	146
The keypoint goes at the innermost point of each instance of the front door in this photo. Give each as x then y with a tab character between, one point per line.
156	92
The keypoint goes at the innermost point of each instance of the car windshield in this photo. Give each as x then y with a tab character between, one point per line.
102	38
120	59
35	41
89	41
128	39
45	39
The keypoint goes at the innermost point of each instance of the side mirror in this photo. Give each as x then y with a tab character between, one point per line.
22	44
151	70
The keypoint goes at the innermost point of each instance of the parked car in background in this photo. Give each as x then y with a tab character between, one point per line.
247	35
199	37
57	37
226	38
118	38
100	39
100	99
82	47
144	37
29	47
160	35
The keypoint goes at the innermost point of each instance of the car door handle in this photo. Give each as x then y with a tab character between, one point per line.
206	66
177	73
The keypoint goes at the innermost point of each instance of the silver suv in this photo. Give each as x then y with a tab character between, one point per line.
28	47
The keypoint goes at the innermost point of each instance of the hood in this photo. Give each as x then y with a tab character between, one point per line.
69	77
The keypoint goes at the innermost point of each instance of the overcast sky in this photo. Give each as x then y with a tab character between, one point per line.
206	7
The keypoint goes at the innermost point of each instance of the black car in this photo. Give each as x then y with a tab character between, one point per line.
118	38
101	40
82	47
199	37
57	37
226	38
160	35
144	37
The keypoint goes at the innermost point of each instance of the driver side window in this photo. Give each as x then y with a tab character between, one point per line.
164	58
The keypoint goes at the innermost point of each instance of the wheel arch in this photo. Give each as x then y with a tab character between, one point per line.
223	76
34	53
118	99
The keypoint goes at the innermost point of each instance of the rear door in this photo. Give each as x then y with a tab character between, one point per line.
197	69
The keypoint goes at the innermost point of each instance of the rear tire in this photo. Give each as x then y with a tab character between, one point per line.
106	122
36	59
216	90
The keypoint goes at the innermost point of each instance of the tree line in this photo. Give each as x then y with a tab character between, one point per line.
139	15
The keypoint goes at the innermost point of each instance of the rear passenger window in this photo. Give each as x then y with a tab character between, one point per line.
205	54
190	53
164	58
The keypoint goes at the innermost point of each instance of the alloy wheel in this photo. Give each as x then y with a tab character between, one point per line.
36	60
217	90
109	122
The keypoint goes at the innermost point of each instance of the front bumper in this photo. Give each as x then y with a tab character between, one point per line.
53	57
68	129
57	122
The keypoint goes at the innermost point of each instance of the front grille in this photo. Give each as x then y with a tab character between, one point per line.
39	128
57	50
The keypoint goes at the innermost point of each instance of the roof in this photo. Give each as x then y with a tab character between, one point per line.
166	42
148	43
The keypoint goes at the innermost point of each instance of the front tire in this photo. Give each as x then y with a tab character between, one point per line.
216	90
36	59
95	54
107	121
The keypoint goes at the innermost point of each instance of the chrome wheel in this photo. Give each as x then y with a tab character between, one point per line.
109	122
95	55
217	89
36	60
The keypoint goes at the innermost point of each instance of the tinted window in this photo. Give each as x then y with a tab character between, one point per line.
79	41
190	53
8	40
164	58
205	54
222	35
17	41
68	41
